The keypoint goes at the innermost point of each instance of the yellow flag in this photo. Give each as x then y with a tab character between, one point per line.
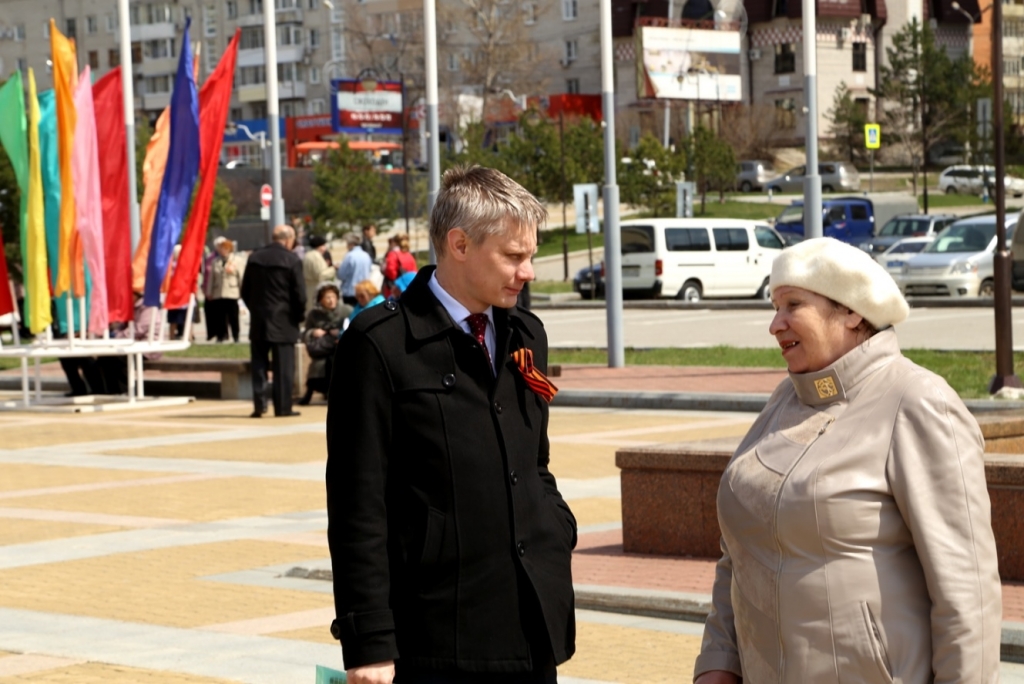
65	79
36	279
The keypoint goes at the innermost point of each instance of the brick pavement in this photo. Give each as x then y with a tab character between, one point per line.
670	378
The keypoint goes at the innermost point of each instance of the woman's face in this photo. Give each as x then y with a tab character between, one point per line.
329	300
812	333
363	298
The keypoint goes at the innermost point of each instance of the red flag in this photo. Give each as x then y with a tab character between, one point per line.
6	302
214	100
110	136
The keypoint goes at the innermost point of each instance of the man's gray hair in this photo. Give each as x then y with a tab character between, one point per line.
482	202
352	239
283	233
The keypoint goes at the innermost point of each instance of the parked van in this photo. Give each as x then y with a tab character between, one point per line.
850	219
696	258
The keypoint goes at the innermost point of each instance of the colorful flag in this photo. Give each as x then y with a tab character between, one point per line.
13	137
214	101
180	177
50	168
152	180
114	170
65	80
89	201
6	300
37	285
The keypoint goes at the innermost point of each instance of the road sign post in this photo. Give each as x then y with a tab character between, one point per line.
266	198
872	141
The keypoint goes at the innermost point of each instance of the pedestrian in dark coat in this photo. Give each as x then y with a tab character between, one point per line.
450	543
274	292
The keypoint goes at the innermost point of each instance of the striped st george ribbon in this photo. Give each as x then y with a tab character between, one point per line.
535	380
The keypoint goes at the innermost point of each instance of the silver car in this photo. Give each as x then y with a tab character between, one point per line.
959	261
835	177
752	175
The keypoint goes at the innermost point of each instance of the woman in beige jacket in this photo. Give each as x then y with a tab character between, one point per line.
856	535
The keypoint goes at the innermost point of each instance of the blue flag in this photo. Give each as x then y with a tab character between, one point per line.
180	174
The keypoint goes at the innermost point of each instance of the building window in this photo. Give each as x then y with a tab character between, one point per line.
159	14
290	72
780	9
91	25
337	44
860	56
570	10
162	48
134	15
289	35
253	75
453	62
113	59
251	39
314	74
259	110
317	106
19	32
785	114
313	4
94	59
255	6
785	58
337	14
572	86
232	9
46	30
22	65
314	38
293	108
211	54
158	84
570	52
72	28
529	13
111	22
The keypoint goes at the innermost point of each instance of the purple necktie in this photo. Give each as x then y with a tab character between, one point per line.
478	328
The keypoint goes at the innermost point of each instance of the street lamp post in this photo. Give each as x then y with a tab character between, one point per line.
270	60
812	180
128	101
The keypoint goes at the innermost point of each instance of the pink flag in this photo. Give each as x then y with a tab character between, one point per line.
85	170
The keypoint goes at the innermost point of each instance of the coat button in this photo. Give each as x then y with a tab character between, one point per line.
497	407
448	380
335	629
513	477
521	548
391	305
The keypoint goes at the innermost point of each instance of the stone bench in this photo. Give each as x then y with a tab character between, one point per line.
669	494
235	374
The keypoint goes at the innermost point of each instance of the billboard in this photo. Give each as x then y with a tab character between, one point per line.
366	106
688	64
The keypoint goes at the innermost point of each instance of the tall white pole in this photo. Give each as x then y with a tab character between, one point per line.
128	97
612	239
668	109
812	181
270	57
433	143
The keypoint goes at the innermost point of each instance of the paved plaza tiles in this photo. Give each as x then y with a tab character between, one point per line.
184	545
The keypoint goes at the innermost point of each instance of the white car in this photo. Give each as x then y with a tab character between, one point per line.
900	252
971	180
958	263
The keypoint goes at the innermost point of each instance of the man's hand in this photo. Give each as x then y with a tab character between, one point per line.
378	673
319	332
717	677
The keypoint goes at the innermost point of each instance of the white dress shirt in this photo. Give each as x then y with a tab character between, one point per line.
459	314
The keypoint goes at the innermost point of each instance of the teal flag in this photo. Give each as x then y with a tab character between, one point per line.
14	138
61	306
51	181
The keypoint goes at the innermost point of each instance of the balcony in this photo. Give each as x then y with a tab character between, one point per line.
285	54
142	32
155	101
285	91
153	67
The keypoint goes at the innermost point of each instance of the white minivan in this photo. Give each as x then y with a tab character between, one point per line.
695	258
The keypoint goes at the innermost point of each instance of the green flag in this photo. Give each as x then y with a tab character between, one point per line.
14	139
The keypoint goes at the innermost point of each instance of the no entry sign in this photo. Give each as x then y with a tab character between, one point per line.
266	195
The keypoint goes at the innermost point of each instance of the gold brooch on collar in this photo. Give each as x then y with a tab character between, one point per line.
826	388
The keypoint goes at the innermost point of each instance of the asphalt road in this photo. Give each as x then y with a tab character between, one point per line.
972	329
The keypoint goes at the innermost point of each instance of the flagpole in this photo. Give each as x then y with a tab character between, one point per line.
270	59
128	95
433	143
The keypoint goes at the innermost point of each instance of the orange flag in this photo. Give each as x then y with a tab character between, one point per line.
65	79
152	180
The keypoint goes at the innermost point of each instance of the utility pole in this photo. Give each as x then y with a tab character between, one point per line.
812	181
668	109
1002	262
273	120
433	144
612	239
128	98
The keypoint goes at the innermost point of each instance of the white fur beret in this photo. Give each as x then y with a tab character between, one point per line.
844	274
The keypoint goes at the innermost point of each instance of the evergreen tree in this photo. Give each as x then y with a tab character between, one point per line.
348	192
847	119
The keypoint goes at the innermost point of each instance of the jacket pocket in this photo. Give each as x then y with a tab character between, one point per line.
432	537
875	640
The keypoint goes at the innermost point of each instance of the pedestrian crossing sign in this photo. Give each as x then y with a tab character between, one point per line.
872	136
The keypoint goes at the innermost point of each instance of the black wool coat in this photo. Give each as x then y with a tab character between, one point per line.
445	525
274	292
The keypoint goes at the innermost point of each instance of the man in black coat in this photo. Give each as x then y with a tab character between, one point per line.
274	292
450	543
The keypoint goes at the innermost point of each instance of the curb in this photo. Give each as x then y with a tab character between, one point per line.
759	304
713	401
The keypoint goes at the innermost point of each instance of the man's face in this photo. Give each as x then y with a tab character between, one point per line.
370	231
497	268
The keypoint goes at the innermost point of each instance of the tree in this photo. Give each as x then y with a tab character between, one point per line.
348	192
10	220
924	94
847	119
750	131
648	178
223	208
714	163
